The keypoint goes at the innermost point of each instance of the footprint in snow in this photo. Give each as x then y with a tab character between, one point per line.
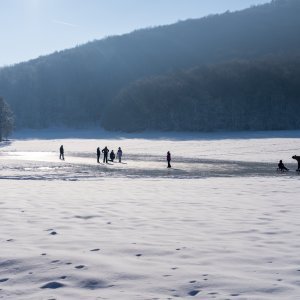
55	261
79	267
4	279
52	285
194	293
92	284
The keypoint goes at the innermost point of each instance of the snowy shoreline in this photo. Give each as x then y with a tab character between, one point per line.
99	133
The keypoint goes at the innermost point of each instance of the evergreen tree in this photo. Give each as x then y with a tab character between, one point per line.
6	119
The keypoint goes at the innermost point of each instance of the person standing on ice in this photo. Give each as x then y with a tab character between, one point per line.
297	158
98	155
169	159
119	154
282	167
105	152
112	155
61	152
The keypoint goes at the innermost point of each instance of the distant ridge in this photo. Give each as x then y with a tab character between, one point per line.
77	87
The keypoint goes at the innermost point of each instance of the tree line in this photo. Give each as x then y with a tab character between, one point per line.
238	95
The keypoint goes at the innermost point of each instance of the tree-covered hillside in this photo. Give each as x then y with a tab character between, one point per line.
74	87
239	95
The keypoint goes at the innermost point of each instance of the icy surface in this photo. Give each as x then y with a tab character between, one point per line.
194	156
223	224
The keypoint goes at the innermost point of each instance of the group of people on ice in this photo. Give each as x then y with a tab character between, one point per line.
112	155
283	168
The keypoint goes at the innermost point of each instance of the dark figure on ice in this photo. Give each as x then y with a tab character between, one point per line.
61	152
169	159
297	158
119	154
98	155
105	152
282	167
112	155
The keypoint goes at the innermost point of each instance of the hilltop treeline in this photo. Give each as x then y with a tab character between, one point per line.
256	95
76	87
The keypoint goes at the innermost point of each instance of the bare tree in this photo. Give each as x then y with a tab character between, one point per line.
6	119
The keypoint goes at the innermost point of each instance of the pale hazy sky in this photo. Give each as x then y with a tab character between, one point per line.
30	28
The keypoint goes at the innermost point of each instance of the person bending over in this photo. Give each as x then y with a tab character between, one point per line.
297	158
282	167
112	156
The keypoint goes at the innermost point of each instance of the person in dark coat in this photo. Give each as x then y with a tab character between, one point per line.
61	152
98	155
105	152
169	159
282	167
297	158
112	155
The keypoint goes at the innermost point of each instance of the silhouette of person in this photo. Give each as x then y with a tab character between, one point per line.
119	154
169	159
282	167
98	155
105	152
297	158
112	155
61	152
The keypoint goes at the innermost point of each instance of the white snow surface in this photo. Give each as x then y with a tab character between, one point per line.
221	224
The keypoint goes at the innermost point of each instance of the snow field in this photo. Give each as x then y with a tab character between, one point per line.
157	239
223	224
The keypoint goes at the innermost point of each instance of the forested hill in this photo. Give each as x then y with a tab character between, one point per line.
238	95
74	87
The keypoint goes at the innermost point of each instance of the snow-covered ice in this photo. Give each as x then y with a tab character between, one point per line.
222	224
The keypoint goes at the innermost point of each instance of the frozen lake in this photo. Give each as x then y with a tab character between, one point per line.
222	224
